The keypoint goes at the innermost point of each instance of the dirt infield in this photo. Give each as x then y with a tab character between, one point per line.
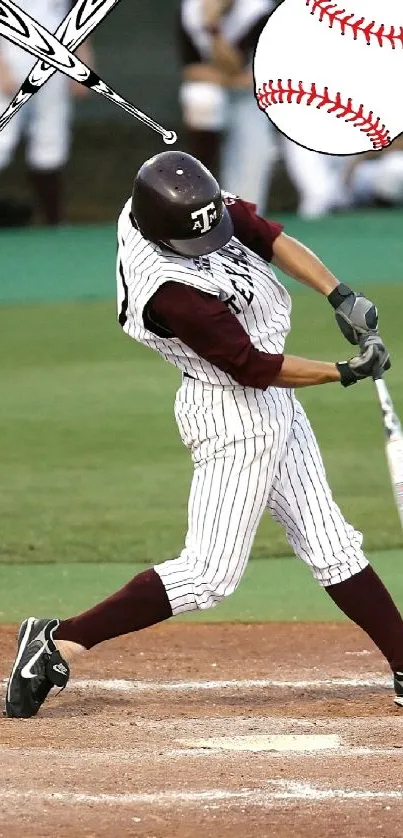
233	730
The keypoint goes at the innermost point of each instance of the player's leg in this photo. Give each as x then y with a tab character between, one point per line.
318	182
235	449
249	150
10	136
388	183
227	499
380	179
204	112
49	144
235	444
13	213
301	500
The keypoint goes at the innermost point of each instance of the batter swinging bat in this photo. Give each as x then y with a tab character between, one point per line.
21	29
83	18
394	441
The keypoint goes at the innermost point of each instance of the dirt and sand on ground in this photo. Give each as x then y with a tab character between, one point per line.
240	730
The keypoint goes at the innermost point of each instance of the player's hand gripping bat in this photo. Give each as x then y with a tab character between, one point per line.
82	19
394	440
21	29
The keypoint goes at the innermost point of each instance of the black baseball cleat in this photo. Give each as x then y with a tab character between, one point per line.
398	685
37	668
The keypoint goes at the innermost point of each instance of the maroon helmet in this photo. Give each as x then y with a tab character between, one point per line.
176	201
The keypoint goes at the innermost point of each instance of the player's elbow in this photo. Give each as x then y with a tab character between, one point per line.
257	370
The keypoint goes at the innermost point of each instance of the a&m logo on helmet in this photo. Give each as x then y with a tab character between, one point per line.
203	219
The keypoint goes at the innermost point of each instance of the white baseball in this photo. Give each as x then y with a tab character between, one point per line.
328	74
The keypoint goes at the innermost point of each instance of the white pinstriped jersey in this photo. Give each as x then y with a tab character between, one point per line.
245	282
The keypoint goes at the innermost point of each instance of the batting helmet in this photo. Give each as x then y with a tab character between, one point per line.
176	201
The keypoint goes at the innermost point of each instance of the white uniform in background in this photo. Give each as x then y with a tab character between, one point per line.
380	177
46	119
253	450
320	179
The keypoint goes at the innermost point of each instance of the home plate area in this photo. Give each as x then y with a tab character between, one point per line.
243	730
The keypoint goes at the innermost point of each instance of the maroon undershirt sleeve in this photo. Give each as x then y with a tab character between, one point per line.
206	325
253	231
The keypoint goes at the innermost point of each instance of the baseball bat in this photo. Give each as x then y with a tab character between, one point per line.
23	31
82	19
393	442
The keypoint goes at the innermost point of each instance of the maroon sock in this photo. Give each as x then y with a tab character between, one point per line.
48	188
364	599
141	603
205	145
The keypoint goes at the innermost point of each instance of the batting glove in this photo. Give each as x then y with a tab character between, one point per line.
373	358
355	315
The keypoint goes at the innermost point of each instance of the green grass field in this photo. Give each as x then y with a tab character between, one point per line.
93	469
271	589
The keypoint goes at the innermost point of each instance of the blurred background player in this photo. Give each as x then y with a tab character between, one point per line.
326	183
376	178
225	128
318	179
45	121
223	125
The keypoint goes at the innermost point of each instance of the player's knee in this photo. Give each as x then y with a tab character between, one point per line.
203	105
388	178
211	589
340	569
48	159
194	584
50	152
6	153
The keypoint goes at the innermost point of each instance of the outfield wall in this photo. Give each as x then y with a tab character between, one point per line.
79	262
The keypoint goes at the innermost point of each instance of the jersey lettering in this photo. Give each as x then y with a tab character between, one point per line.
235	262
236	252
232	304
241	274
244	292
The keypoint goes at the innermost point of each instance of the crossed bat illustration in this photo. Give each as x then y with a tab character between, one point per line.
55	53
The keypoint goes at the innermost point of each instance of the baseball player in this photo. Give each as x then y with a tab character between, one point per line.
46	119
195	283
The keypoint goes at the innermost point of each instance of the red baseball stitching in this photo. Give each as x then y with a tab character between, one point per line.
280	92
348	22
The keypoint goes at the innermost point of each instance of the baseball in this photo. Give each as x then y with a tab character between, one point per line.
326	74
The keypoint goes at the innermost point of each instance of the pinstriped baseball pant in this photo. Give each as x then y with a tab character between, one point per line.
252	451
